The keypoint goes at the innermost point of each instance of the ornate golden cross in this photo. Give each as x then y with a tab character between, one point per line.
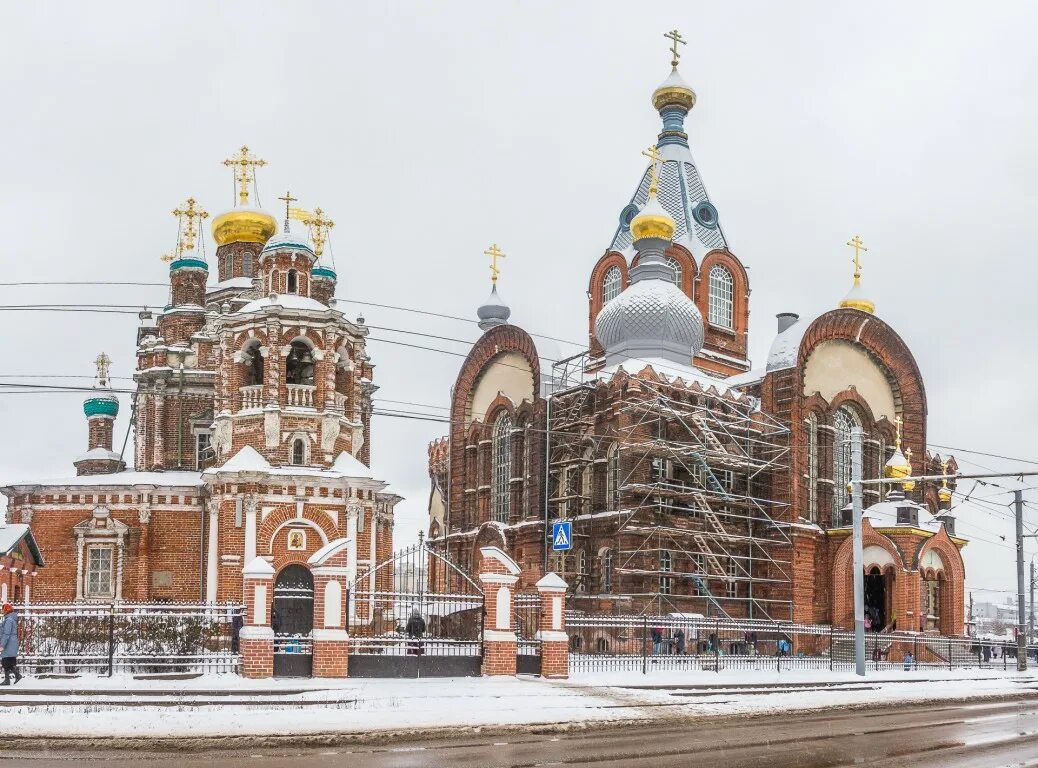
245	166
189	217
858	246
675	37
103	363
897	426
319	227
494	253
288	206
653	153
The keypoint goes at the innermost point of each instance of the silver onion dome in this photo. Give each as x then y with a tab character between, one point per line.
493	312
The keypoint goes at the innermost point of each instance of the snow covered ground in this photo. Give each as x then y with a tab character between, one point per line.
219	705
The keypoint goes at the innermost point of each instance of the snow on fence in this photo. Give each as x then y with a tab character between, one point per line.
133	638
691	642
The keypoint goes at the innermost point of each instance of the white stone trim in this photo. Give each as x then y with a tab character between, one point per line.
499	636
494	553
498	578
256	633
330	634
550	636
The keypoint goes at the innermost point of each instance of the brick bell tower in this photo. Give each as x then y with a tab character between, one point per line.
293	378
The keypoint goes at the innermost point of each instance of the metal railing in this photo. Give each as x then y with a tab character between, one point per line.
134	638
675	642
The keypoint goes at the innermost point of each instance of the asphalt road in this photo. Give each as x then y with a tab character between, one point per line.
949	736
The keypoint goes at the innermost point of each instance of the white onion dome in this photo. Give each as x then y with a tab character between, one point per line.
493	312
652	318
674	91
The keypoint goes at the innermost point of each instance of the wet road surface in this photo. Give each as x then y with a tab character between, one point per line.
946	735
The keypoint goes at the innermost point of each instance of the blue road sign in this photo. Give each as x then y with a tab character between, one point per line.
561	535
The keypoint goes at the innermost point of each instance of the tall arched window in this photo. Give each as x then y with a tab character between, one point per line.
228	266
611	284
812	467
293	281
843	421
501	462
254	360
299	366
676	266
607	571
298	452
246	264
613	477
721	297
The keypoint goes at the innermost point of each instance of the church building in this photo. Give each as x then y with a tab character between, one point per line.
251	422
695	481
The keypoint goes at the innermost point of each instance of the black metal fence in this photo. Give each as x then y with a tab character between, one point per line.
527	622
131	638
666	643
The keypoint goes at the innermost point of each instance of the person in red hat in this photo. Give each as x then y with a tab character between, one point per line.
9	644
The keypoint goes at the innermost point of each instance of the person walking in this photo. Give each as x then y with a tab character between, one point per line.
9	644
679	642
657	641
415	628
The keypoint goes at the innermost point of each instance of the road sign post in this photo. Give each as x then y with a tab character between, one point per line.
561	536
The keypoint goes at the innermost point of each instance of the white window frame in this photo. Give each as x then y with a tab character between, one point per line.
612	284
812	467
844	420
676	266
200	450
721	302
91	551
666	566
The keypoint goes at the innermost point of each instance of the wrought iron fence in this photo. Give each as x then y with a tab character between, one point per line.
665	643
133	638
527	621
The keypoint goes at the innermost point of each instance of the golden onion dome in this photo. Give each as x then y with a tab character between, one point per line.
243	225
652	221
944	494
856	299
897	466
674	91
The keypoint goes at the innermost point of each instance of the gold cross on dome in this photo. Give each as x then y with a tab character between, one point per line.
319	227
858	246
189	217
244	165
494	253
676	39
897	426
103	363
653	153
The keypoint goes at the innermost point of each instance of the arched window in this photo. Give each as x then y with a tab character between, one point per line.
812	467
843	421
582	578
293	281
611	284
246	264
254	360
721	296
501	462
607	570
299	367
665	568
298	452
676	266
228	266
613	477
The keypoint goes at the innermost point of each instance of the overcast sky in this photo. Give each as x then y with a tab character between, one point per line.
428	131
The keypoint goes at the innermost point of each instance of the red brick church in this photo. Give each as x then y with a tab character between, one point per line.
252	429
696	481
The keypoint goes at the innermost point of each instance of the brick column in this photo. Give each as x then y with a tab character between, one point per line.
552	627
331	641
499	573
256	637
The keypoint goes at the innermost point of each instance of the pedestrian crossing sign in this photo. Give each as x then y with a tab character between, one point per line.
561	535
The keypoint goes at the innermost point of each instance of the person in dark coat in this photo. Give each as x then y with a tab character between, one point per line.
415	628
9	644
657	641
679	642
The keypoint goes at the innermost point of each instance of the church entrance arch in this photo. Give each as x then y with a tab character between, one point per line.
292	620
877	598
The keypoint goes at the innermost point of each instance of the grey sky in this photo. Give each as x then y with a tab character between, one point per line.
427	131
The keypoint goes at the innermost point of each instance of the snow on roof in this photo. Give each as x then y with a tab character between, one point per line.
287	301
749	377
325	552
248	459
176	479
786	346
12	533
231	282
883	514
95	454
351	466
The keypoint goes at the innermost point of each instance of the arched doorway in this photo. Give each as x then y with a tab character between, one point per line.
876	599
293	621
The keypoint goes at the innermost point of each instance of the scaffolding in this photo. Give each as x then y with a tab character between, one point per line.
676	478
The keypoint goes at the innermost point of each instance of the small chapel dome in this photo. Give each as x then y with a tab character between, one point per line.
674	91
243	225
288	241
652	221
493	312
